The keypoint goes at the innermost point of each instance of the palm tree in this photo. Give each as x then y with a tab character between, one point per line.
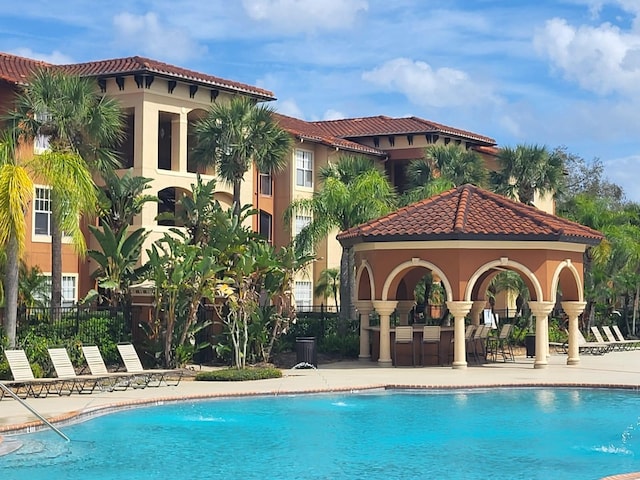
16	189
328	284
233	136
353	191
443	167
527	170
81	127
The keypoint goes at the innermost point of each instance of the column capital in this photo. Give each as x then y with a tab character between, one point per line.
364	307
573	309
385	307
459	309
541	309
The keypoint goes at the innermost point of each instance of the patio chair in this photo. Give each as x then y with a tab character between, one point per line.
430	336
599	338
622	344
25	382
479	343
155	377
635	343
501	344
404	336
65	370
112	380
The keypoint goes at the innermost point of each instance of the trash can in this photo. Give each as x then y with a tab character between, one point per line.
306	351
530	345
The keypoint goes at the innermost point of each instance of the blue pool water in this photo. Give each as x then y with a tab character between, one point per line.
471	434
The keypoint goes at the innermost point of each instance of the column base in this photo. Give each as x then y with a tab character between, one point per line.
573	361
385	363
362	358
459	365
540	365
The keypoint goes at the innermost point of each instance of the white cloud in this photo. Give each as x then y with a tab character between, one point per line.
332	114
289	107
56	57
424	86
603	59
155	39
305	15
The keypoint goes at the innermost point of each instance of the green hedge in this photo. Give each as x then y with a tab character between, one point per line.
236	375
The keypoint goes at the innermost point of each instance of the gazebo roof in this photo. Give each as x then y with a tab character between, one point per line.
470	213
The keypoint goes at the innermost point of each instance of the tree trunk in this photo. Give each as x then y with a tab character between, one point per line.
345	287
236	197
352	283
56	262
11	292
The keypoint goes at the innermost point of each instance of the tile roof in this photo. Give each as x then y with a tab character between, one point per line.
383	125
309	131
15	69
141	65
470	213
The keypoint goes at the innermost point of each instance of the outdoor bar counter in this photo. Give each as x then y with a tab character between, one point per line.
403	350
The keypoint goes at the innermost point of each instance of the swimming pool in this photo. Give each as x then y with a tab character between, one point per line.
464	434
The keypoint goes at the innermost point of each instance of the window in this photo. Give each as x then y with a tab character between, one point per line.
303	296
41	142
42	211
266	188
304	168
69	291
301	222
265	225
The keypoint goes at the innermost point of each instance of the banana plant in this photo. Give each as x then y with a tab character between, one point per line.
118	260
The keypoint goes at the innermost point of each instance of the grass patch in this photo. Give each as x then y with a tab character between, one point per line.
235	375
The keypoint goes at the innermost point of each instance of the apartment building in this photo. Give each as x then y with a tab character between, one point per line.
162	101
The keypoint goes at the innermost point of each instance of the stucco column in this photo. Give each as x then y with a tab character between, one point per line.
385	309
573	311
476	309
541	311
459	310
403	309
179	130
364	308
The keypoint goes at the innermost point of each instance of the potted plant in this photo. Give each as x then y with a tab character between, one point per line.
436	300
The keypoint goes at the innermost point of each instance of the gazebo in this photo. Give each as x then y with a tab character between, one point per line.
465	237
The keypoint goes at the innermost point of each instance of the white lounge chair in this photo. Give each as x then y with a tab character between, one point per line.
623	344
65	370
24	382
155	377
634	342
116	380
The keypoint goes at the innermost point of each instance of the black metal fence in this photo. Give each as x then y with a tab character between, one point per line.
87	325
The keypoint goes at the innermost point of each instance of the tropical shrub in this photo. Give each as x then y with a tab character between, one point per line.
239	375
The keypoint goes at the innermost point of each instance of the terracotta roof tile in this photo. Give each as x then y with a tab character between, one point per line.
141	65
17	69
470	213
383	125
309	131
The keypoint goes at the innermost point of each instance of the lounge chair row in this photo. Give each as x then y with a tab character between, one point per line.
613	338
25	384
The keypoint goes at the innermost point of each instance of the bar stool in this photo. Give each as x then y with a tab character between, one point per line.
430	336
404	335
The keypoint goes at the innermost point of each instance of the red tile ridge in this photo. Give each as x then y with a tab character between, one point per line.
138	64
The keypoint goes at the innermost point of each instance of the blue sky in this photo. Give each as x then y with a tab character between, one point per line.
558	73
